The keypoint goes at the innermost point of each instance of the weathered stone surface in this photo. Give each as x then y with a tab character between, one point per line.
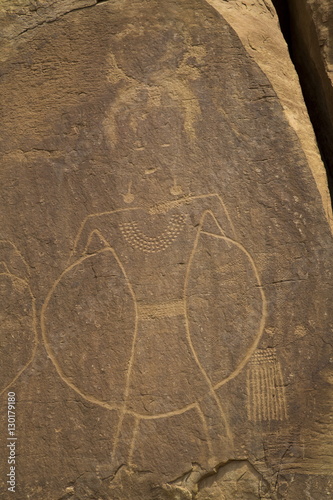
257	25
166	258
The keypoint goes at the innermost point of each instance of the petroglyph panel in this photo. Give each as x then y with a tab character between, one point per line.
170	253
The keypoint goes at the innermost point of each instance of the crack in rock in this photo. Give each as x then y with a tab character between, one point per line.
45	14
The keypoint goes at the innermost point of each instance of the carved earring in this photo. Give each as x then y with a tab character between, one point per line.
129	196
176	189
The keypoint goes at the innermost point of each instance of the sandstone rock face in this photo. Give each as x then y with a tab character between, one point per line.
258	26
166	259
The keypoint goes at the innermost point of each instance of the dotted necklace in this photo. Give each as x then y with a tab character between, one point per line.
152	244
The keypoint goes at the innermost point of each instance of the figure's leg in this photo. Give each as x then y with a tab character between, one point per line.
171	444
133	440
124	440
219	436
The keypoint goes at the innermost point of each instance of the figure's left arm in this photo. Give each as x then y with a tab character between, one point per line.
215	218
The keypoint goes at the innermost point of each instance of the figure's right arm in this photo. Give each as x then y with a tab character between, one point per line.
96	225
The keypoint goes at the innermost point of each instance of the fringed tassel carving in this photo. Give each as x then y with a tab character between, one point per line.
265	387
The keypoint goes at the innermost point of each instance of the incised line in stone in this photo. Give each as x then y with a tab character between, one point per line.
34	327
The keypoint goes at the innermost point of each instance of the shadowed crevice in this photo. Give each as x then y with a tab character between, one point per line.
300	34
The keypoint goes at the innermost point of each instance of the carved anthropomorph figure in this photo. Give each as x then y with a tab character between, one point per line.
160	304
159	307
